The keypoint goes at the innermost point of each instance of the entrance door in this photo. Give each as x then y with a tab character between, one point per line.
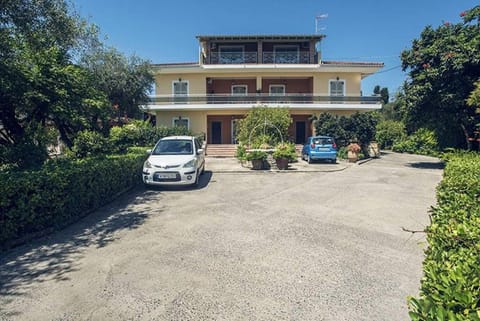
300	127
216	132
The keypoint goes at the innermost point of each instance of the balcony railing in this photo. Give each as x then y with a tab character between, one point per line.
233	57
301	57
286	57
256	99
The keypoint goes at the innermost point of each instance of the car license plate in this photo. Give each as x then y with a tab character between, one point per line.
166	175
322	149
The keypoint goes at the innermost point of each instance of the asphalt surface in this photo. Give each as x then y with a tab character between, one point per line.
244	246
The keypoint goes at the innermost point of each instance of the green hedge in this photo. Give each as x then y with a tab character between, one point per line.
61	192
422	142
450	288
139	133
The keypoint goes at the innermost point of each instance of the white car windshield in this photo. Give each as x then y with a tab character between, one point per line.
173	147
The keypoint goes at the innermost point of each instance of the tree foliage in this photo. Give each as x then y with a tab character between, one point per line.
264	125
357	127
443	65
474	98
389	132
124	80
42	85
382	92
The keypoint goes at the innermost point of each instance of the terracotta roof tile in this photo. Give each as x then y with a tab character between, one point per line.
172	64
260	37
353	63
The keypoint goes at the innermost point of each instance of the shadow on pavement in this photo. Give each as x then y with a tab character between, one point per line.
203	182
427	165
52	257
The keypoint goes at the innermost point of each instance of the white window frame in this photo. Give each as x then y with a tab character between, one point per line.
275	47
330	87
180	118
276	94
236	94
180	81
222	48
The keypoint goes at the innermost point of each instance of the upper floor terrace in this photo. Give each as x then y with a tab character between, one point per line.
259	49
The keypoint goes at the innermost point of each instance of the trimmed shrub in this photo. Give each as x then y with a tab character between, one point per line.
390	132
422	142
141	133
450	288
140	150
62	191
89	143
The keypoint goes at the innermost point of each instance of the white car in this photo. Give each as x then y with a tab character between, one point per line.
175	160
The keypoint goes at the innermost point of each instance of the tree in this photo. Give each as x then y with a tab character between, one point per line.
39	87
125	81
382	92
334	126
264	125
385	95
388	132
44	85
443	65
357	127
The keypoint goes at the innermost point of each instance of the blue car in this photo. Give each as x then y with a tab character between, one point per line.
319	148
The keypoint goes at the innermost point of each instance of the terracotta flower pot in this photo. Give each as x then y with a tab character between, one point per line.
352	157
282	163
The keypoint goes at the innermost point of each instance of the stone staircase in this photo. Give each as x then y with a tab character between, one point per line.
228	150
221	150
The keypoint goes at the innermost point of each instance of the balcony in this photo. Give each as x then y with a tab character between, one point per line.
259	99
302	57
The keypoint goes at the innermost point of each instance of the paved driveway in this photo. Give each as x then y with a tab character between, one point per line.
245	246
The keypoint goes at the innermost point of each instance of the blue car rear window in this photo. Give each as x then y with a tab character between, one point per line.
323	141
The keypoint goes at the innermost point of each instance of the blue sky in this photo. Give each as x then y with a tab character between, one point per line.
357	30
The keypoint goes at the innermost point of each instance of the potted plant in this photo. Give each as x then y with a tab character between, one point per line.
283	154
353	150
258	158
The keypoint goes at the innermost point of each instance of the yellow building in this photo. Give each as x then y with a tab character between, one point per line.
235	73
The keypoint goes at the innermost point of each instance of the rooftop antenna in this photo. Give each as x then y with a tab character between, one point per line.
319	26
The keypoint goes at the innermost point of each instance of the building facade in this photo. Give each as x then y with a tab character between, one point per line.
235	73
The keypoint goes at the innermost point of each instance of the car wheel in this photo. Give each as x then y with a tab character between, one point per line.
334	161
309	159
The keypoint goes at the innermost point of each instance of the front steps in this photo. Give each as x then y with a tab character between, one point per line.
221	150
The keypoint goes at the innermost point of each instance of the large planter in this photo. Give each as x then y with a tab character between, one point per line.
352	156
373	150
282	163
257	163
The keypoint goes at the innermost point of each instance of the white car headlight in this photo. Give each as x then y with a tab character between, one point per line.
147	164
190	163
